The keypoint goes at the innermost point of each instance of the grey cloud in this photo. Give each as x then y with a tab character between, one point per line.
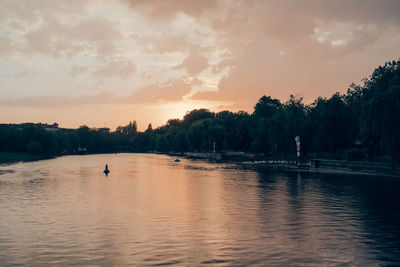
78	70
168	8
16	26
32	11
6	47
54	38
57	28
360	11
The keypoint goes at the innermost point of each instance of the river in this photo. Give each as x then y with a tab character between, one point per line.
152	211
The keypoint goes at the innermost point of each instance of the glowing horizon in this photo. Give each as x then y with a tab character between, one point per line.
105	63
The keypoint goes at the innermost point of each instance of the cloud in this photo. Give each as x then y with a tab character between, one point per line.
60	101
164	43
193	64
123	69
241	49
56	29
172	90
168	8
223	64
94	35
168	91
5	47
196	82
78	70
273	47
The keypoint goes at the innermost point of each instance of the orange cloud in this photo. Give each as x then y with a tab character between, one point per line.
273	47
193	64
169	91
172	90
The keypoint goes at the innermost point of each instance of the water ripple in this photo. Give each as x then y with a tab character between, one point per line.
152	212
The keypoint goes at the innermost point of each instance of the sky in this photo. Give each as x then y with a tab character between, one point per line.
107	62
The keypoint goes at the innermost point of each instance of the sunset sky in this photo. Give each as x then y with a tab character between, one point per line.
108	62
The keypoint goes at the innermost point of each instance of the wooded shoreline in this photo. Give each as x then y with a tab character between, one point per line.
249	160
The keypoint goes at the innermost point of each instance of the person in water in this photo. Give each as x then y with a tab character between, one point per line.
106	170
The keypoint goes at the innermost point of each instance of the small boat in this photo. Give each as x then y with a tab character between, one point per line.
177	160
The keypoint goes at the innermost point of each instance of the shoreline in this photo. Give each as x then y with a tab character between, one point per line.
292	168
9	158
311	165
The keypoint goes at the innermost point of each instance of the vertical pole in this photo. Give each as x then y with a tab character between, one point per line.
297	139
214	148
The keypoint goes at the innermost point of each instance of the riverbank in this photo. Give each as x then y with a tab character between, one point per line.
248	160
360	166
265	166
13	157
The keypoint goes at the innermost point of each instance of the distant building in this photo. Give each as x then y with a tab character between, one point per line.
81	150
51	127
104	130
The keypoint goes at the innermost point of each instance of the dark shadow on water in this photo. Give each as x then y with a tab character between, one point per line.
361	211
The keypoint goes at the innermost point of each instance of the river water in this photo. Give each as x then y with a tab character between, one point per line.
153	211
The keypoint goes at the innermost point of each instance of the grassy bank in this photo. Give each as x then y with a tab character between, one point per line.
10	157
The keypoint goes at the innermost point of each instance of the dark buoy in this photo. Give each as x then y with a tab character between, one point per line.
106	170
177	160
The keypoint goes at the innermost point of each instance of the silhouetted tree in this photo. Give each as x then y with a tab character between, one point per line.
362	123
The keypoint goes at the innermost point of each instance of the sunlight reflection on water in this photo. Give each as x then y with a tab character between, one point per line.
153	211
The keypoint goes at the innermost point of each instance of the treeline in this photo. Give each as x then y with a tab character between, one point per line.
363	124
